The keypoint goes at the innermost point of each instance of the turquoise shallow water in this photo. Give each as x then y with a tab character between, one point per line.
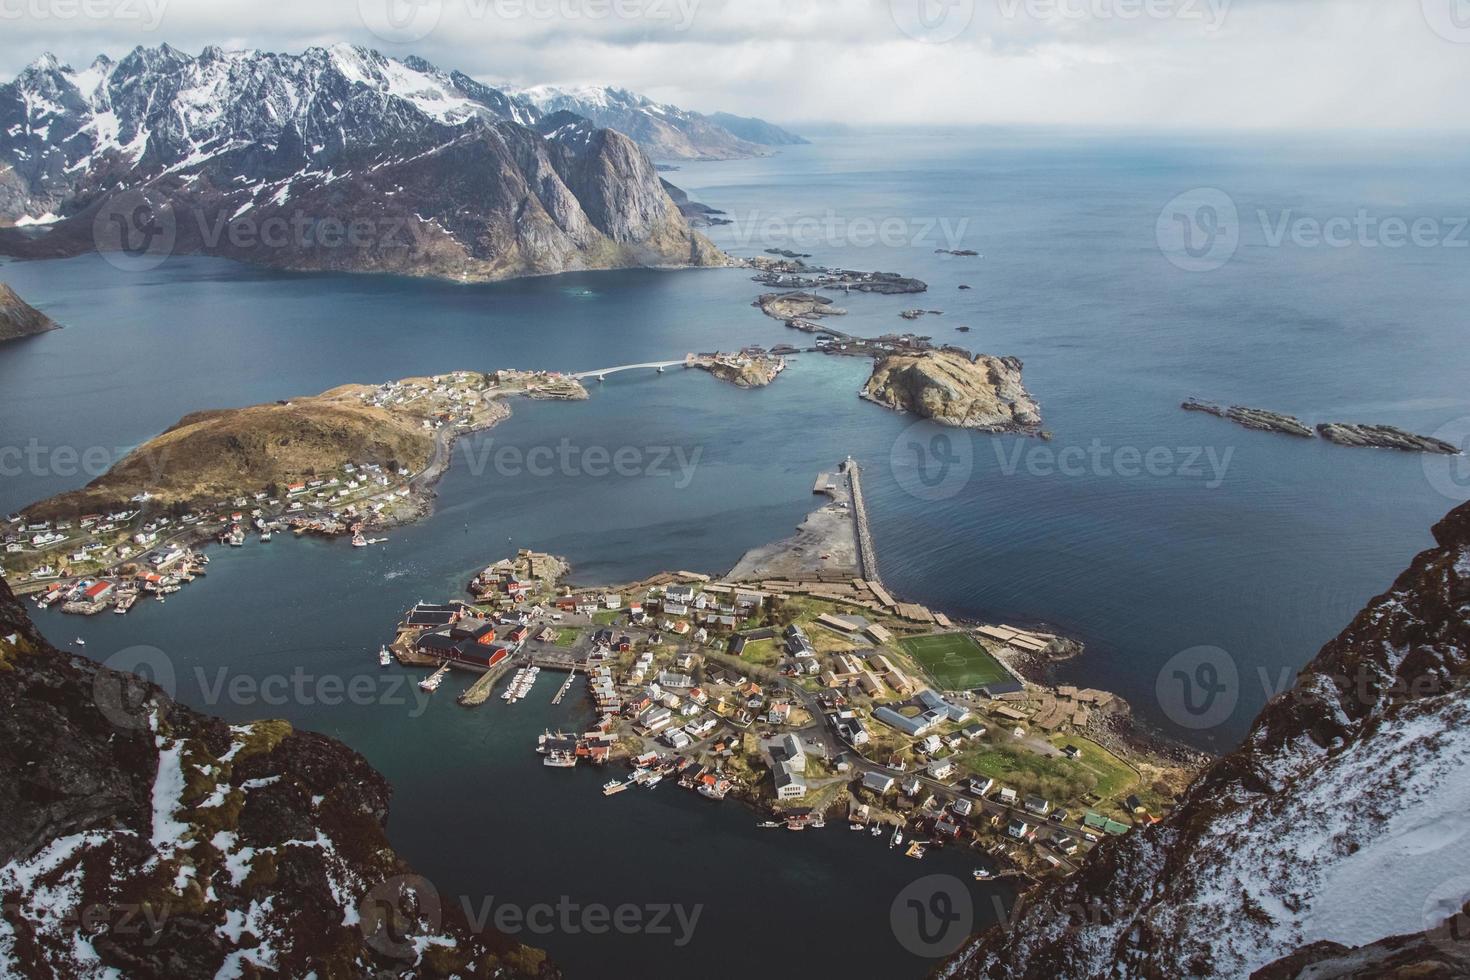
1259	545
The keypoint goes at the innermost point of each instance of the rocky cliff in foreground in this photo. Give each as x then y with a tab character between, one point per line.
19	319
1332	843
144	839
984	393
335	159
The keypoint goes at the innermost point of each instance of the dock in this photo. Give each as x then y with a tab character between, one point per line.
565	687
867	553
479	692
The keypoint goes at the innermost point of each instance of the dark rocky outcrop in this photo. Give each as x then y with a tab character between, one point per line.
1253	418
1384	437
146	839
1337	824
19	319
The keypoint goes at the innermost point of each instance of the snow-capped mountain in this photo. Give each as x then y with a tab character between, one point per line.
342	134
1332	843
667	132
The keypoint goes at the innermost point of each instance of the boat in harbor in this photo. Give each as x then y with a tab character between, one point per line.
653	780
265	535
768	824
385	658
981	874
615	786
897	837
431	683
877	830
358	541
80	642
560	759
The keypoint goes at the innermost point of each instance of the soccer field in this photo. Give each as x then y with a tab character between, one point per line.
954	660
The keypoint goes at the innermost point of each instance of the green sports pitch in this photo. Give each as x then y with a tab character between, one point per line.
954	660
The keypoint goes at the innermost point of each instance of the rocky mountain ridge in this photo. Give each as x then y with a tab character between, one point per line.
143	838
665	131
1330	844
335	159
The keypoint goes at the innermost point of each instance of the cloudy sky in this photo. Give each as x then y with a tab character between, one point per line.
1201	64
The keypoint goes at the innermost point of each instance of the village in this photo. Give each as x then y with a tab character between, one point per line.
816	702
90	563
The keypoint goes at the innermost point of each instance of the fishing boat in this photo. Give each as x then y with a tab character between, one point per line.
768	825
385	658
897	837
981	874
653	780
431	683
854	826
358	541
614	786
560	759
265	535
80	642
877	830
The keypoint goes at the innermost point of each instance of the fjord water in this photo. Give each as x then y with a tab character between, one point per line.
1261	545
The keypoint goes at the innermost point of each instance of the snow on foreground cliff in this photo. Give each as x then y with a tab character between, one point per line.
1344	819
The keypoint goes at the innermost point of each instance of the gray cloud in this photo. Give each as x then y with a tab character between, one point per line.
1169	63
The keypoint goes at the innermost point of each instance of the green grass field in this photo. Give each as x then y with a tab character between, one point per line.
954	660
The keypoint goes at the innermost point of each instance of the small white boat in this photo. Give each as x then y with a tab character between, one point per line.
384	657
80	642
877	830
614	786
768	825
981	874
897	837
653	780
358	541
265	536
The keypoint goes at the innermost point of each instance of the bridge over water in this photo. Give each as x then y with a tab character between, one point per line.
602	373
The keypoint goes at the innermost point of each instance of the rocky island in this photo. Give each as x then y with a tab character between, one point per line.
984	392
747	369
1341	433
19	319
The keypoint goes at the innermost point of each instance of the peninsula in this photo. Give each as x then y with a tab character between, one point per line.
800	685
19	319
